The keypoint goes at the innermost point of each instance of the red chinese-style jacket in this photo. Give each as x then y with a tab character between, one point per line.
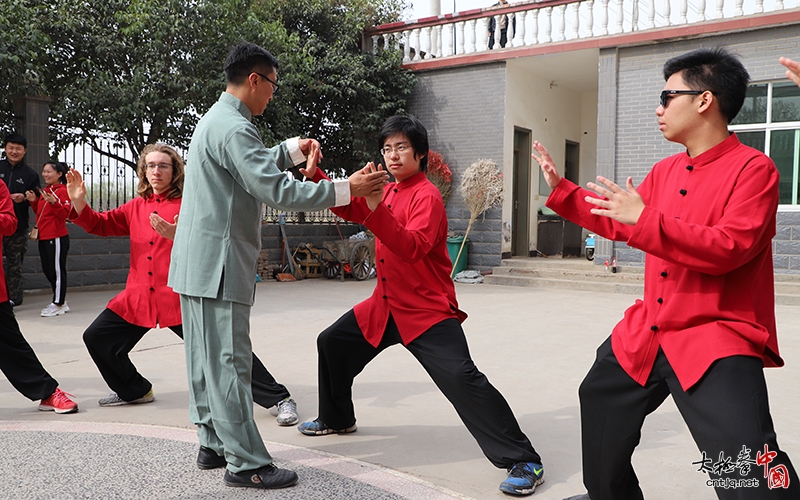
707	232
51	218
413	266
8	226
147	300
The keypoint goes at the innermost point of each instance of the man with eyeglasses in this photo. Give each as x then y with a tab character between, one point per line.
229	174
414	304
705	329
19	178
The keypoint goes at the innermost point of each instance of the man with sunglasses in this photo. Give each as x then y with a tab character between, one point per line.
705	329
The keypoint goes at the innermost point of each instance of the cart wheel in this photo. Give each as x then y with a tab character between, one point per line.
360	262
332	270
590	253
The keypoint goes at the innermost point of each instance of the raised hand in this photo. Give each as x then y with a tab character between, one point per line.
313	157
76	190
551	175
163	227
368	179
375	197
793	69
623	205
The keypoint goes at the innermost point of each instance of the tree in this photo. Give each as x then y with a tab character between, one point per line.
333	90
21	56
141	71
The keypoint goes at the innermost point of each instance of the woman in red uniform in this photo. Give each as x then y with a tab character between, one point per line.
51	206
150	220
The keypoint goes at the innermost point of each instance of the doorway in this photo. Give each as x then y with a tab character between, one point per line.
520	216
572	231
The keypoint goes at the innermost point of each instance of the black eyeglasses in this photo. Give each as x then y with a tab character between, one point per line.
270	80
666	94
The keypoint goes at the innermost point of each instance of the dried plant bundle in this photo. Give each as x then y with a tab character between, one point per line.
481	188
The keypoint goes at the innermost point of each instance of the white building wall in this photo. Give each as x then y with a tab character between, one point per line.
553	114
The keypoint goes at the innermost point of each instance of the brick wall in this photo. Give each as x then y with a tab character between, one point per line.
463	109
95	261
639	144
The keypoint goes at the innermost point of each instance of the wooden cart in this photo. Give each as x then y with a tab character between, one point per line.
339	257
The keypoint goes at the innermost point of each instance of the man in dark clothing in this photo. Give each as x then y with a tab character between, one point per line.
19	178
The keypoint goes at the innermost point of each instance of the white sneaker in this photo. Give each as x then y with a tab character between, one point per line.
287	412
52	310
65	307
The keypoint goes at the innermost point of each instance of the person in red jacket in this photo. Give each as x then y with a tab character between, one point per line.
18	362
414	304
150	220
705	329
52	206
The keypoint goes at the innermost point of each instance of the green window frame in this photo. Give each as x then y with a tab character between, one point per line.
770	122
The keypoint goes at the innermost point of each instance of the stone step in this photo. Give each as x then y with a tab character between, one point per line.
631	287
571	274
581	274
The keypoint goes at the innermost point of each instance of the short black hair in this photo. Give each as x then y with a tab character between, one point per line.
245	58
716	70
59	166
415	132
16	138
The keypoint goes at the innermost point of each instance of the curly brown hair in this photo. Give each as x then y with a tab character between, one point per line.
176	186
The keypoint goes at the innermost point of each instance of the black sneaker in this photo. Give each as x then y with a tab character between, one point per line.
317	427
208	459
267	477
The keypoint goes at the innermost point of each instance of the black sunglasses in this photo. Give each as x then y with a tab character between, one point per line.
666	94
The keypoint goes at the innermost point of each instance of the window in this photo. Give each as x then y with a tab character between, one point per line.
770	122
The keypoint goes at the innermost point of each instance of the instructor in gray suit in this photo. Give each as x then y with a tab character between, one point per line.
229	174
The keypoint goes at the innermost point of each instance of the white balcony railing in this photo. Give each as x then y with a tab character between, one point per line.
535	23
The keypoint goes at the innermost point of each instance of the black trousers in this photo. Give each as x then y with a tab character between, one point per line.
726	410
443	352
14	249
53	254
109	340
18	361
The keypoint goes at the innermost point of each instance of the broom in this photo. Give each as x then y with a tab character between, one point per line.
481	188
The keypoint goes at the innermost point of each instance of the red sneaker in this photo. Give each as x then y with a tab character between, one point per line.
59	402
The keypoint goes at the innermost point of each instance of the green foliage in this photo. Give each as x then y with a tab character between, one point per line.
141	71
21	56
330	89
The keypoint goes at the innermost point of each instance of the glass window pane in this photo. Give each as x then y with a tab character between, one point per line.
785	102
783	149
755	140
754	109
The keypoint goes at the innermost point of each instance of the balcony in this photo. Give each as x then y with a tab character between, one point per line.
558	25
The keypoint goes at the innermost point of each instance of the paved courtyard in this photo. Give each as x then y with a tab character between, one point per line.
535	345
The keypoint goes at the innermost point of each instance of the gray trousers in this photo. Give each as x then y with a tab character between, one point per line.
219	358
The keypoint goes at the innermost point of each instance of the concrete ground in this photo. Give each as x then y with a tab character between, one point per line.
535	345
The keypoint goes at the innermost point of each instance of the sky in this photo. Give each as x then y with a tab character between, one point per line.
421	8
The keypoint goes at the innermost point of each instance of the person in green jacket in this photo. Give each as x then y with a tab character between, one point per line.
229	174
